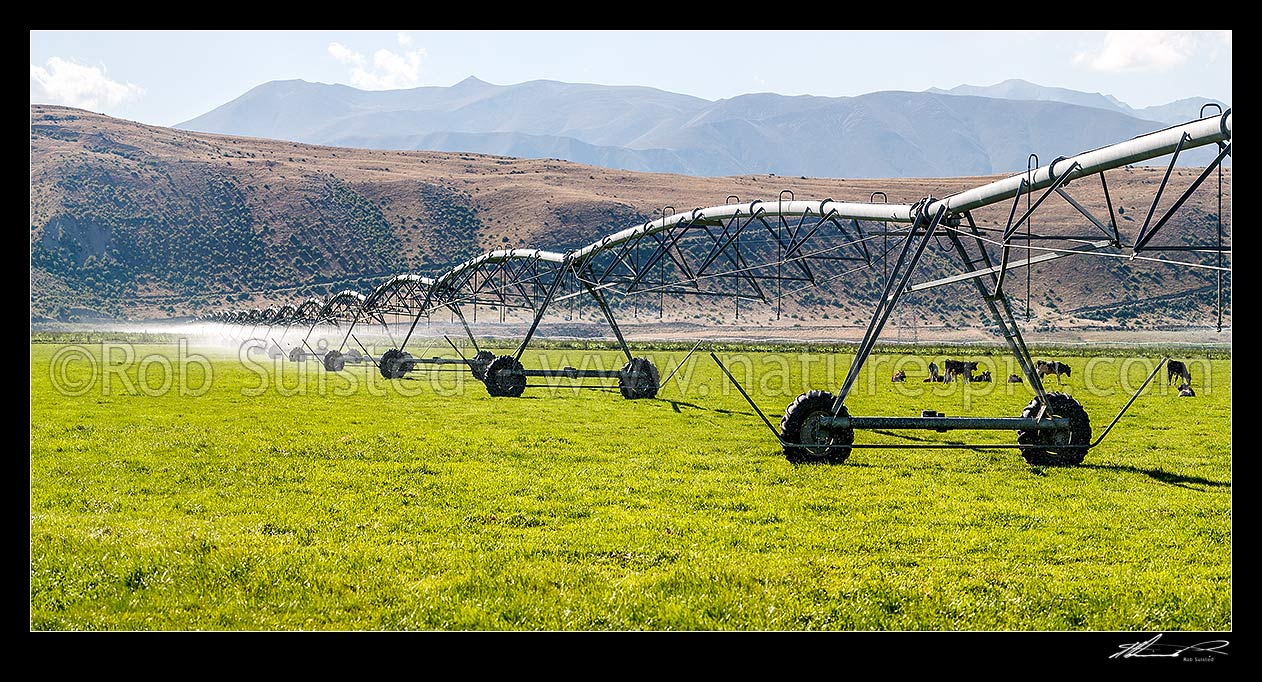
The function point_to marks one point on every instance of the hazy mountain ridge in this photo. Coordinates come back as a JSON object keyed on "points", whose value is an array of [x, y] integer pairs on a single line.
{"points": [[1178, 111], [881, 134]]}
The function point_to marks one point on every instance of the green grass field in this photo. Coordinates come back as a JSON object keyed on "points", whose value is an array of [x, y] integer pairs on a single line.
{"points": [[315, 503]]}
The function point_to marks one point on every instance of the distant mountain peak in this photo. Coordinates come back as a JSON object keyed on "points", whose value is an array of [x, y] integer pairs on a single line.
{"points": [[1015, 88], [1005, 88], [471, 82]]}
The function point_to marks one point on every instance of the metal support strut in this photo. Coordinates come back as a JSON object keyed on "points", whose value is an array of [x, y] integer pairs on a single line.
{"points": [[893, 292], [999, 306], [604, 308], [469, 332], [543, 307]]}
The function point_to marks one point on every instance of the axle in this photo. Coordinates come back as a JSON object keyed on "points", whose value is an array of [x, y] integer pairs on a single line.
{"points": [[568, 372], [411, 362], [940, 423]]}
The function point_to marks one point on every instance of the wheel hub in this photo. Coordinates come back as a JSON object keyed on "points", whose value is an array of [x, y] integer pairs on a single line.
{"points": [[807, 433], [1056, 447], [814, 431]]}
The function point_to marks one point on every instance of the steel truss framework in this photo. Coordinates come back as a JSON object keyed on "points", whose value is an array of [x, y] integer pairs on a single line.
{"points": [[754, 251]]}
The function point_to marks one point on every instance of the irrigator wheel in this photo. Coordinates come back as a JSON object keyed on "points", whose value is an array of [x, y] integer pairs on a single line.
{"points": [[638, 379], [275, 353], [479, 364], [802, 426], [1055, 452], [499, 382], [296, 354], [353, 355], [333, 361], [392, 364]]}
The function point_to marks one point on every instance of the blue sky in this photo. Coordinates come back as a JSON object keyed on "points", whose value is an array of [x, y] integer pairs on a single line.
{"points": [[165, 77]]}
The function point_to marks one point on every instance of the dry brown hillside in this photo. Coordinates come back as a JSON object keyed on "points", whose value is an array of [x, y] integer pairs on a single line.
{"points": [[141, 221]]}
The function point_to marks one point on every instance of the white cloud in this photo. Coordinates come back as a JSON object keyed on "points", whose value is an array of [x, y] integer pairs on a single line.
{"points": [[389, 70], [64, 81], [1142, 51], [345, 55]]}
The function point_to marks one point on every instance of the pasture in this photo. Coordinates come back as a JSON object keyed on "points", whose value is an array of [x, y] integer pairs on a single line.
{"points": [[174, 496]]}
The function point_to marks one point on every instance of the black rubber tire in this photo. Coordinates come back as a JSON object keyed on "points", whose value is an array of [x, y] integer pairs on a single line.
{"points": [[353, 355], [810, 443], [499, 382], [1056, 454], [638, 379], [479, 364], [392, 365], [296, 354], [275, 353], [388, 364], [333, 361]]}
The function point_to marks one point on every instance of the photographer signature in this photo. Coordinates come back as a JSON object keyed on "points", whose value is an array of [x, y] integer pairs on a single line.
{"points": [[1152, 649]]}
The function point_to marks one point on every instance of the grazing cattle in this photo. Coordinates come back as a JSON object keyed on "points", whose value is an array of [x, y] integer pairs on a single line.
{"points": [[1058, 368], [1174, 368], [1185, 391], [1015, 379], [900, 376], [933, 373], [984, 377], [958, 368]]}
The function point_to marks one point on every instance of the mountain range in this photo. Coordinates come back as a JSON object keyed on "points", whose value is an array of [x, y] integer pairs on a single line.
{"points": [[1171, 113], [967, 130]]}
